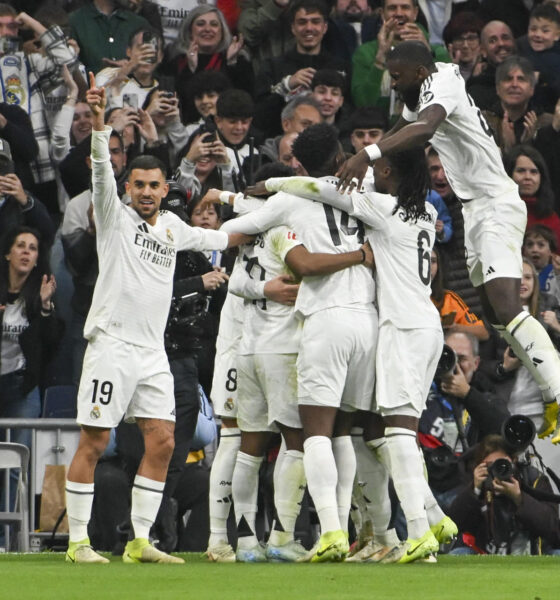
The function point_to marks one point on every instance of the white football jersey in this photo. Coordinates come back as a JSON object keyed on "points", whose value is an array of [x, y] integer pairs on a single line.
{"points": [[268, 327], [320, 228], [136, 260], [464, 141], [402, 249]]}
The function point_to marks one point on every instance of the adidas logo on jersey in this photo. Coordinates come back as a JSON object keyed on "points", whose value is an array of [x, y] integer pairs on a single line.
{"points": [[490, 270]]}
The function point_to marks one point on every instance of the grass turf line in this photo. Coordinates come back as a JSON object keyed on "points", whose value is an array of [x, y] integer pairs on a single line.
{"points": [[46, 576]]}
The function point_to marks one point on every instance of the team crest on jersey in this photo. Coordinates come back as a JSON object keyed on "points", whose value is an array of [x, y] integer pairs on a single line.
{"points": [[169, 235], [15, 94], [95, 413], [229, 404], [426, 97]]}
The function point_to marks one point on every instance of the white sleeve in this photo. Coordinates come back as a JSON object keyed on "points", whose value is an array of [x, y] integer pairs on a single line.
{"points": [[241, 284], [373, 208], [242, 205], [107, 206], [443, 88], [311, 188], [409, 115], [269, 215], [60, 134], [197, 238]]}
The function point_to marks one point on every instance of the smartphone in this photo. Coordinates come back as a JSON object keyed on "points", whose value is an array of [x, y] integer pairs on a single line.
{"points": [[10, 45], [167, 94], [130, 100], [149, 38], [209, 137]]}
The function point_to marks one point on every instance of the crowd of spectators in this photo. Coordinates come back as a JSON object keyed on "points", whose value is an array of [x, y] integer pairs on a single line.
{"points": [[216, 91]]}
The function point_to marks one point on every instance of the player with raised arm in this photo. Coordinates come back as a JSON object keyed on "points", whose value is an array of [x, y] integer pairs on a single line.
{"points": [[126, 371], [438, 109], [335, 365], [400, 226], [267, 383]]}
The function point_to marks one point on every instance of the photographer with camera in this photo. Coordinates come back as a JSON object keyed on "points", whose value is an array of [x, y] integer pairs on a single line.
{"points": [[495, 513], [461, 409]]}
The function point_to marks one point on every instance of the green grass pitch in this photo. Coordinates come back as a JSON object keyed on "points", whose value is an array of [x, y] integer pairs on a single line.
{"points": [[46, 576]]}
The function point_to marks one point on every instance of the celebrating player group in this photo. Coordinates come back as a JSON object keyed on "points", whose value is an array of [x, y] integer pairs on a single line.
{"points": [[357, 341]]}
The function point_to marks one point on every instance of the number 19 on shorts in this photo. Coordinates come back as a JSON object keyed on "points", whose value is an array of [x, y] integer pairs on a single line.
{"points": [[102, 391]]}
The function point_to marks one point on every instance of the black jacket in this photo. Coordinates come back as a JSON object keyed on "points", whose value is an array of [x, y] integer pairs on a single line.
{"points": [[38, 344]]}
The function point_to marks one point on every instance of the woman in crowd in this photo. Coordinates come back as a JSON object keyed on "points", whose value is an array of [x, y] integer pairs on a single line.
{"points": [[527, 168], [30, 328], [455, 315], [206, 44]]}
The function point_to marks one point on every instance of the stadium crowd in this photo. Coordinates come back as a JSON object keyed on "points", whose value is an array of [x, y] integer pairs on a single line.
{"points": [[217, 95]]}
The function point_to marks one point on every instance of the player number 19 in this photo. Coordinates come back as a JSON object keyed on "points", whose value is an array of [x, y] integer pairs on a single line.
{"points": [[105, 389]]}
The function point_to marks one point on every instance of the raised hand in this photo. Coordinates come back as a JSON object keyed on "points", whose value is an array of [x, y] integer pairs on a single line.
{"points": [[97, 101], [48, 288]]}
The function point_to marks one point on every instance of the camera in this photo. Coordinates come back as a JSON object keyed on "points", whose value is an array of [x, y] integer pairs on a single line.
{"points": [[184, 324], [447, 362], [519, 432], [149, 38], [208, 127], [501, 469]]}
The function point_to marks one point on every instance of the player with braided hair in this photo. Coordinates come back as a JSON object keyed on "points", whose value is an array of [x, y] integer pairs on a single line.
{"points": [[400, 227]]}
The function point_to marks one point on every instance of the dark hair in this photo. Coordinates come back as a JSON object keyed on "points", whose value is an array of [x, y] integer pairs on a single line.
{"points": [[329, 77], [146, 162], [309, 6], [315, 147], [545, 11], [368, 117], [544, 206], [273, 169], [116, 134], [235, 104], [438, 291], [463, 22], [195, 201], [412, 53], [490, 444], [30, 291], [545, 232], [414, 3], [207, 81], [413, 182], [513, 62]]}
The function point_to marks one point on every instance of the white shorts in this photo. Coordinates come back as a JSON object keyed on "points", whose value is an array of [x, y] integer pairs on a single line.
{"points": [[406, 363], [121, 379], [267, 392], [336, 362], [224, 384], [494, 230]]}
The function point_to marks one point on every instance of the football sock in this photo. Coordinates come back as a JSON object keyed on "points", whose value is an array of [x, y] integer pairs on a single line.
{"points": [[289, 487], [278, 465], [245, 484], [146, 498], [359, 510], [322, 477], [345, 460], [220, 484], [533, 347], [377, 490], [408, 478], [433, 509], [79, 500]]}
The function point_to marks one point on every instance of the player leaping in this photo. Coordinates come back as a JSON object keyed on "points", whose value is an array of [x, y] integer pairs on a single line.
{"points": [[438, 109], [126, 371]]}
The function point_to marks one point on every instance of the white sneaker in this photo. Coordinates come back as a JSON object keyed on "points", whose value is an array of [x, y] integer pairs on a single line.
{"points": [[367, 552], [221, 552], [251, 555], [82, 552], [293, 551]]}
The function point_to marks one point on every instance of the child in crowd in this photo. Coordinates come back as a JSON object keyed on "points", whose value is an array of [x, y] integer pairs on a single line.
{"points": [[539, 246], [541, 46]]}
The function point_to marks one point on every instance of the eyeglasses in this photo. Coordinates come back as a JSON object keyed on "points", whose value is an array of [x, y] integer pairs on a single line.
{"points": [[469, 38]]}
